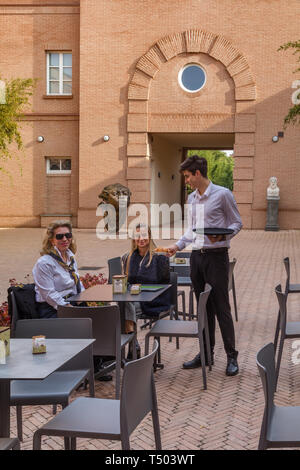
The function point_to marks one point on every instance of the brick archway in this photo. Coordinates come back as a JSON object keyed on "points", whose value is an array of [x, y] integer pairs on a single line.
{"points": [[222, 50]]}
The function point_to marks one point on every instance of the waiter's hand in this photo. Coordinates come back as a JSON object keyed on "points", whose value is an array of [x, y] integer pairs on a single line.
{"points": [[216, 238], [172, 250]]}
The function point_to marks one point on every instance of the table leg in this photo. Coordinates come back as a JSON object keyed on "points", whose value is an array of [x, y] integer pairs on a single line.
{"points": [[122, 316], [4, 408]]}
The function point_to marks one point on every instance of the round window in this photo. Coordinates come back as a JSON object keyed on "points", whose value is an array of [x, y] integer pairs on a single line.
{"points": [[192, 78]]}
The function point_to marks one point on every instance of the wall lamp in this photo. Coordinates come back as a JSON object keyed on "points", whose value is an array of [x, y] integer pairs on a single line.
{"points": [[106, 138], [40, 139], [275, 138]]}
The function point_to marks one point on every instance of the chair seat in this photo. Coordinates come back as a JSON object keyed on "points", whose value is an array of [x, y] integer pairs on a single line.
{"points": [[293, 288], [54, 389], [126, 338], [174, 328], [292, 329], [87, 417], [7, 443], [284, 425], [184, 281]]}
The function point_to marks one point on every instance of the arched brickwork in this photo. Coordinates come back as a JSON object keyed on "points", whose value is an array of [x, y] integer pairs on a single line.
{"points": [[219, 48], [193, 41]]}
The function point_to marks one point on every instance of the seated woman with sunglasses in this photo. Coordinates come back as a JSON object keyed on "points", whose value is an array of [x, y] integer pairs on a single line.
{"points": [[144, 266], [55, 273]]}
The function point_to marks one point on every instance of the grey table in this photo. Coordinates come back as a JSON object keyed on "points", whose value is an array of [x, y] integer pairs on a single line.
{"points": [[21, 364], [104, 293]]}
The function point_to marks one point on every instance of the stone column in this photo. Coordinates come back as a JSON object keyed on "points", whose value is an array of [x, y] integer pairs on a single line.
{"points": [[272, 214]]}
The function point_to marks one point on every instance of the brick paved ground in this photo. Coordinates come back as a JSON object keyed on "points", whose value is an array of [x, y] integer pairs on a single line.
{"points": [[226, 416]]}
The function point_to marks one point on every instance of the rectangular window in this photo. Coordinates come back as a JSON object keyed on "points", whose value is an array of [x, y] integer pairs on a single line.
{"points": [[58, 166], [59, 73]]}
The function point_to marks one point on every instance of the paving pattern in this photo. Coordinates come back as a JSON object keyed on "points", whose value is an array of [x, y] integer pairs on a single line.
{"points": [[226, 416]]}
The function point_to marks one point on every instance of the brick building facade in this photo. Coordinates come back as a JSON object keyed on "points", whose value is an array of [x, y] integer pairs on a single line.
{"points": [[126, 56]]}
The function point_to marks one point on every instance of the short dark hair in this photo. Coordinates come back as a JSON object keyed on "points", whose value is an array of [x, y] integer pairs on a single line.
{"points": [[194, 163]]}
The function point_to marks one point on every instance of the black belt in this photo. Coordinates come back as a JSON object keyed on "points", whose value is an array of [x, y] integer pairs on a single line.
{"points": [[211, 250]]}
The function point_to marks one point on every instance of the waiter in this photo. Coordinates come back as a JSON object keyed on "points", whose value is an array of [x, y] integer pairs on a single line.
{"points": [[209, 260]]}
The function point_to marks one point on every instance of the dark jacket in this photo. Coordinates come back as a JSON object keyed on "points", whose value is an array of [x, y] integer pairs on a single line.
{"points": [[157, 273]]}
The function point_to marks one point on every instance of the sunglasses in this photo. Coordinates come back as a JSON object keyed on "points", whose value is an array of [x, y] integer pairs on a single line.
{"points": [[60, 236]]}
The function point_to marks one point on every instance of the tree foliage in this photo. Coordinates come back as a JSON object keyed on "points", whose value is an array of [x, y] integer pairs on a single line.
{"points": [[220, 166], [293, 116], [14, 101]]}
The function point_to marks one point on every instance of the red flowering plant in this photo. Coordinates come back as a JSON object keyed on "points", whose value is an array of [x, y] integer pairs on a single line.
{"points": [[4, 317], [89, 280]]}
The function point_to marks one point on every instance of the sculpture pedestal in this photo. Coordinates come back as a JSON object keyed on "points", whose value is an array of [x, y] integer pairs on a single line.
{"points": [[272, 214]]}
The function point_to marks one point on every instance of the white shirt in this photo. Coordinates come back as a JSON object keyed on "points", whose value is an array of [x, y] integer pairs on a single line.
{"points": [[52, 281], [215, 208]]}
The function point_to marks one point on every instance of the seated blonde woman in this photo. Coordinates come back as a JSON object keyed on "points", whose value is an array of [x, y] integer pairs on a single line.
{"points": [[55, 273], [143, 266]]}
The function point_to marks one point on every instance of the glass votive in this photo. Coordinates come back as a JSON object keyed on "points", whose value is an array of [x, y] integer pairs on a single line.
{"points": [[39, 344]]}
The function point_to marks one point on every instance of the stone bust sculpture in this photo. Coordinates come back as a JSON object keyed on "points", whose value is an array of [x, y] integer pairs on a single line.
{"points": [[273, 190]]}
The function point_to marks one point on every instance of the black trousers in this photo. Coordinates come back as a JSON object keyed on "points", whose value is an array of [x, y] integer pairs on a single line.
{"points": [[212, 268]]}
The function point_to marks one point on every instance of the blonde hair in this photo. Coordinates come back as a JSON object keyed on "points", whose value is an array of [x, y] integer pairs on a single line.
{"points": [[134, 246], [47, 244]]}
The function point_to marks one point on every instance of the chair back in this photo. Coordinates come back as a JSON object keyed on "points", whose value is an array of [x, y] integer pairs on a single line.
{"points": [[286, 262], [58, 328], [265, 360], [105, 326], [202, 306], [14, 313], [230, 273], [183, 254], [282, 301], [114, 268], [181, 270], [138, 395]]}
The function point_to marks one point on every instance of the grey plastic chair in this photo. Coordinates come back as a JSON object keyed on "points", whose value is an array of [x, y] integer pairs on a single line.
{"points": [[106, 332], [172, 312], [231, 285], [95, 418], [187, 329], [289, 289], [287, 329], [184, 272], [9, 443], [181, 293], [57, 388], [280, 425], [114, 268]]}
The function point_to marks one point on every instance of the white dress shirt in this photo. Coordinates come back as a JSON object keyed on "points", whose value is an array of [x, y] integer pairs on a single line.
{"points": [[215, 208], [52, 281]]}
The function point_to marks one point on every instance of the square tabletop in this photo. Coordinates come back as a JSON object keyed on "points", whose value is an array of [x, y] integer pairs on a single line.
{"points": [[104, 293], [23, 365]]}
